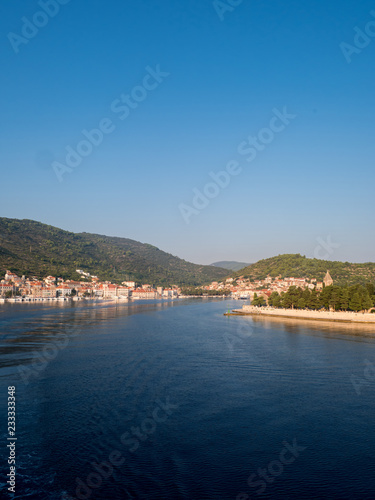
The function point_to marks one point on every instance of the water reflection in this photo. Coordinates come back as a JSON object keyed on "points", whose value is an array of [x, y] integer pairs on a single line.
{"points": [[317, 327], [28, 327]]}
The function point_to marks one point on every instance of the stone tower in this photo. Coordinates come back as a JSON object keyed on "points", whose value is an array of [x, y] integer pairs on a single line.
{"points": [[328, 280]]}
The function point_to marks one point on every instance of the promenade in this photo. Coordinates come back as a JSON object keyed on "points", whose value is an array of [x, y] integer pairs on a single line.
{"points": [[341, 316]]}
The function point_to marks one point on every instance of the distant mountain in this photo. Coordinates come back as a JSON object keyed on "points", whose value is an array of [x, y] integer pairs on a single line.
{"points": [[298, 266], [232, 265], [32, 248]]}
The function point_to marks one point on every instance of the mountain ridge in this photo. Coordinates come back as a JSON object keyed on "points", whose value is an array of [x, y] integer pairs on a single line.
{"points": [[298, 266], [231, 265], [29, 247]]}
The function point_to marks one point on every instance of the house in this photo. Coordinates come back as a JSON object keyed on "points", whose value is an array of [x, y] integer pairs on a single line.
{"points": [[140, 293], [6, 287], [129, 284], [109, 290], [50, 280], [170, 294], [36, 289], [9, 276], [48, 292], [123, 291], [63, 290]]}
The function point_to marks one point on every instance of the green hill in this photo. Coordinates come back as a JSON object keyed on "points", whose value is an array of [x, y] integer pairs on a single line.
{"points": [[231, 265], [298, 266], [32, 248]]}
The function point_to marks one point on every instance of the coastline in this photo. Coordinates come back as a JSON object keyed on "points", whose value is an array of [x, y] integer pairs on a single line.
{"points": [[34, 300], [333, 316]]}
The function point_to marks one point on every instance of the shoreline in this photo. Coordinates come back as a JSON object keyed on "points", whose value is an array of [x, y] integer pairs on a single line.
{"points": [[115, 299], [332, 316]]}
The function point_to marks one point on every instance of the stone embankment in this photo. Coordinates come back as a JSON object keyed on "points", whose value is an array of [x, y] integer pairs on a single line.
{"points": [[345, 316]]}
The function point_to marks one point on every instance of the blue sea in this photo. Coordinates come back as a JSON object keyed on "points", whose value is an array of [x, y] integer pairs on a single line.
{"points": [[174, 400]]}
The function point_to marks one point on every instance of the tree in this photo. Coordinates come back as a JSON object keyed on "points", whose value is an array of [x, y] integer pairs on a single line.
{"points": [[314, 300], [335, 299], [306, 294], [344, 300], [301, 303], [291, 297], [367, 303], [296, 296], [325, 297], [370, 287], [355, 302], [274, 300], [258, 301]]}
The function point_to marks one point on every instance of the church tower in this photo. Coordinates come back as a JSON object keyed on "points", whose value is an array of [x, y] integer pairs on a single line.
{"points": [[328, 281]]}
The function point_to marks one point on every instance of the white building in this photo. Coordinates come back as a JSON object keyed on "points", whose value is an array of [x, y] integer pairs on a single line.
{"points": [[170, 294], [63, 290], [129, 284], [6, 287]]}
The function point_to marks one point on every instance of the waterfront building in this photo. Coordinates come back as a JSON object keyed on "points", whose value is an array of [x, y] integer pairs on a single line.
{"points": [[6, 287], [63, 290], [140, 293], [109, 290], [123, 291]]}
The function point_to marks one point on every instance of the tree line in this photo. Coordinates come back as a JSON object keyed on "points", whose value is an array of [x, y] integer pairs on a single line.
{"points": [[339, 298]]}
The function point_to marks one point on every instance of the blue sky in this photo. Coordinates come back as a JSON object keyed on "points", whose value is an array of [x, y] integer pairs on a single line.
{"points": [[224, 71]]}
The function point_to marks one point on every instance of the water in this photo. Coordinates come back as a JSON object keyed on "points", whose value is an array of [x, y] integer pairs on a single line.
{"points": [[216, 402]]}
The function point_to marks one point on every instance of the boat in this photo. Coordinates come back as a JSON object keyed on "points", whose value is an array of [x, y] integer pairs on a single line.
{"points": [[244, 296]]}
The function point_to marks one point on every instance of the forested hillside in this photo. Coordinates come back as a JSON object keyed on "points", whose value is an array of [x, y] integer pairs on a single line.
{"points": [[32, 248], [298, 266]]}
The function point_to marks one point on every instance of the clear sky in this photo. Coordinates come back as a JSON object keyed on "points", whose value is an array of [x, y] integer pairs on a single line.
{"points": [[180, 89]]}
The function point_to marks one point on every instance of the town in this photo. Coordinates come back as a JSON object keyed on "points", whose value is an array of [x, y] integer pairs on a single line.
{"points": [[244, 288], [15, 288], [22, 289]]}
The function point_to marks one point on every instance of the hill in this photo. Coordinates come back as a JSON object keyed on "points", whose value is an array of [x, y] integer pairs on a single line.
{"points": [[231, 265], [35, 249], [298, 266]]}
